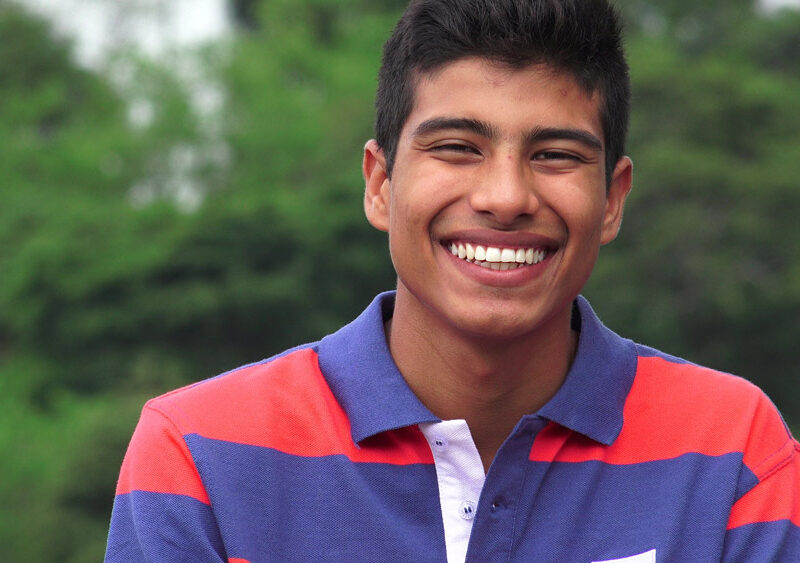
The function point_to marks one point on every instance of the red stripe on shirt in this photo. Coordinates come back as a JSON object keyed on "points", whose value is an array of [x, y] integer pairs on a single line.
{"points": [[775, 498], [674, 409], [286, 405], [158, 461]]}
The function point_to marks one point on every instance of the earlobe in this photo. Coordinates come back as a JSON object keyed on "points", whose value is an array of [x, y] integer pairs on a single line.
{"points": [[621, 183], [376, 182]]}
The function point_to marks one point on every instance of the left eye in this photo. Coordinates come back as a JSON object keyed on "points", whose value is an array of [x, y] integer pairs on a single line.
{"points": [[555, 155]]}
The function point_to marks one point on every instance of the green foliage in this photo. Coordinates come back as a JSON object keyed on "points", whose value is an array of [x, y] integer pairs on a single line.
{"points": [[73, 251], [111, 293]]}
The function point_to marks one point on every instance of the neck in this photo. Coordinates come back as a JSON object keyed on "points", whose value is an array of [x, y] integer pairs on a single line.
{"points": [[490, 383]]}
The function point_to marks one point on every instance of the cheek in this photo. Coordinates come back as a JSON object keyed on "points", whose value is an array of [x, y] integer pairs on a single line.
{"points": [[405, 229], [424, 197], [401, 219], [580, 209]]}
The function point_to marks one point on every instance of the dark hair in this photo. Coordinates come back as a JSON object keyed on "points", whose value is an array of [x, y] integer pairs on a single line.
{"points": [[579, 37]]}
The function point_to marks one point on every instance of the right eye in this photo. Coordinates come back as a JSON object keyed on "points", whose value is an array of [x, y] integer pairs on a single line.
{"points": [[455, 147], [456, 153]]}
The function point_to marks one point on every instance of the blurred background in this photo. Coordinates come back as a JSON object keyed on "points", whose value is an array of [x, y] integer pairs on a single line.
{"points": [[181, 194]]}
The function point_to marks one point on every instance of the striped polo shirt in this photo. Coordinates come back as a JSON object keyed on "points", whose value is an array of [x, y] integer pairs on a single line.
{"points": [[323, 453]]}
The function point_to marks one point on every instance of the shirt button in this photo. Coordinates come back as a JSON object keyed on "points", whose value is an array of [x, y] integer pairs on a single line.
{"points": [[439, 442], [467, 510]]}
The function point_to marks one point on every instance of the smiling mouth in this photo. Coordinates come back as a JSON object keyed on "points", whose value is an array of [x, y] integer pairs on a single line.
{"points": [[497, 258]]}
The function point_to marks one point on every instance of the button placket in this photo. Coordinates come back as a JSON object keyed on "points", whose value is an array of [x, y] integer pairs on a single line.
{"points": [[460, 478], [493, 530]]}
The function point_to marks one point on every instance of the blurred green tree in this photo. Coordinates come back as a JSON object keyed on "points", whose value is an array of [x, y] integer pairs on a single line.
{"points": [[71, 241]]}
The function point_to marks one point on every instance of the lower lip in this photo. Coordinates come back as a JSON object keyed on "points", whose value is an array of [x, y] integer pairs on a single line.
{"points": [[499, 278]]}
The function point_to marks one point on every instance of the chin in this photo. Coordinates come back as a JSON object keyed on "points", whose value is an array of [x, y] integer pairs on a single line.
{"points": [[496, 327]]}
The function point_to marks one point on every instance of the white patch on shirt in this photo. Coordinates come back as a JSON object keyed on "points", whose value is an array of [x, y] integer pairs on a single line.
{"points": [[649, 557], [459, 472]]}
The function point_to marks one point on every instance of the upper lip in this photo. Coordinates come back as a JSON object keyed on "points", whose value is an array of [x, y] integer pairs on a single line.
{"points": [[504, 239]]}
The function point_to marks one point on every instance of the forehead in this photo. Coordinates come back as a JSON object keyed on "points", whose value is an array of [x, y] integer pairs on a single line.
{"points": [[509, 97]]}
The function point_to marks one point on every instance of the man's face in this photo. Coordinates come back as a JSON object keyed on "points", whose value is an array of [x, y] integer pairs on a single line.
{"points": [[497, 204]]}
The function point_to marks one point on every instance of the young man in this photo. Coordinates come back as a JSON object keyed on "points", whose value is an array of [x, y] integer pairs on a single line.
{"points": [[482, 412]]}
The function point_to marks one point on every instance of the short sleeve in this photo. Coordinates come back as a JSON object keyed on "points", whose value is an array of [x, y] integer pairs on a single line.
{"points": [[764, 523], [161, 509]]}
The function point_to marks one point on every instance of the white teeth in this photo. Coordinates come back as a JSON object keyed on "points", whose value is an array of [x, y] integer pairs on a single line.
{"points": [[497, 258], [470, 252], [493, 254], [530, 254]]}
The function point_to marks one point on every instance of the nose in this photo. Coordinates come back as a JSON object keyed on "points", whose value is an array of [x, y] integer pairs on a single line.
{"points": [[505, 192]]}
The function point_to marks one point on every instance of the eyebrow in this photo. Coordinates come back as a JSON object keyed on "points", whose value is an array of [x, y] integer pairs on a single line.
{"points": [[553, 133], [489, 131], [476, 126]]}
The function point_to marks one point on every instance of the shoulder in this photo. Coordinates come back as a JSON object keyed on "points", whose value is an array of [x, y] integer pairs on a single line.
{"points": [[250, 392], [663, 377], [698, 409]]}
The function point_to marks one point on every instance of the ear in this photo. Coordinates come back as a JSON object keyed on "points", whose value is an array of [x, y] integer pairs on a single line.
{"points": [[621, 183], [377, 184]]}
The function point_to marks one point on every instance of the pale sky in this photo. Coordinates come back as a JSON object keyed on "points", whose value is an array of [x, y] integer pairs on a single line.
{"points": [[772, 4], [151, 25]]}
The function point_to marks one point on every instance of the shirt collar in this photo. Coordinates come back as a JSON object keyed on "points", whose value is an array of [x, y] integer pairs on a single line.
{"points": [[365, 380], [592, 397]]}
